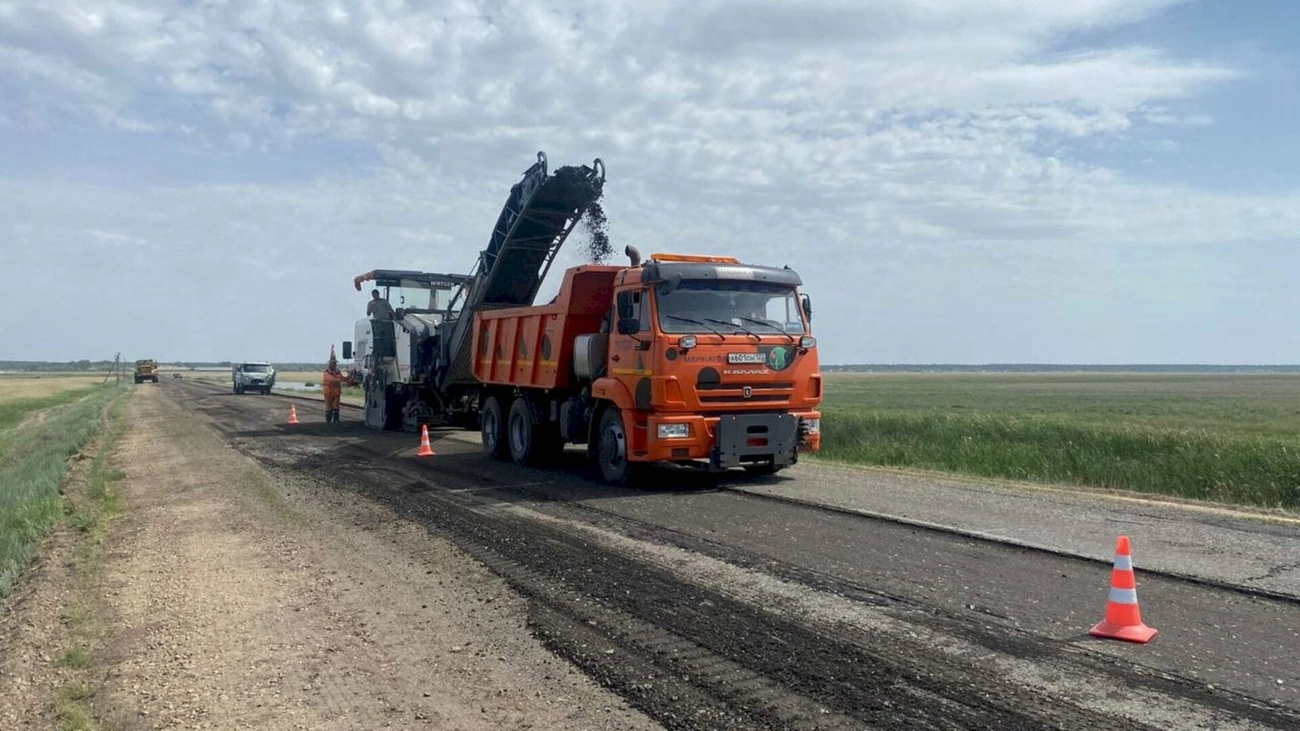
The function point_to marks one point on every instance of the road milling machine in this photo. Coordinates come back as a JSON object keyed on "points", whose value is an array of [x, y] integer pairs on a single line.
{"points": [[693, 359]]}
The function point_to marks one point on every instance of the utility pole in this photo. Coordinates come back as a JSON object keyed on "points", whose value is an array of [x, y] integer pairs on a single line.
{"points": [[116, 372]]}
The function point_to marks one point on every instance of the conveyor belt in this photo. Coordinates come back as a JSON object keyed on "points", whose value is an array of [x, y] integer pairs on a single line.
{"points": [[538, 216]]}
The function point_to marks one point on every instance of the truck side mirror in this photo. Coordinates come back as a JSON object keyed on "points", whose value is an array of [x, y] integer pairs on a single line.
{"points": [[629, 320], [347, 350], [807, 307]]}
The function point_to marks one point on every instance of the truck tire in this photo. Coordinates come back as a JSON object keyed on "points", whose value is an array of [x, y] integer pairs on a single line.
{"points": [[493, 429], [611, 448], [522, 433]]}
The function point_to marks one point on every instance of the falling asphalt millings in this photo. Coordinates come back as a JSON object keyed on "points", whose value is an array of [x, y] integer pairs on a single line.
{"points": [[580, 184]]}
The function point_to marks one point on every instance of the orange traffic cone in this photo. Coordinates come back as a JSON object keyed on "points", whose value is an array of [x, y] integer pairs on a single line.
{"points": [[293, 414], [1123, 619], [425, 449]]}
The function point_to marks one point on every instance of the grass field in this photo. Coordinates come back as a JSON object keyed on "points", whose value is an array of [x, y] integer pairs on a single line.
{"points": [[311, 377], [34, 457], [22, 395], [1224, 437]]}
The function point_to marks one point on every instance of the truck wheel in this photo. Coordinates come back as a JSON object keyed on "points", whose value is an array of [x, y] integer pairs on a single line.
{"points": [[492, 427], [611, 448], [522, 433]]}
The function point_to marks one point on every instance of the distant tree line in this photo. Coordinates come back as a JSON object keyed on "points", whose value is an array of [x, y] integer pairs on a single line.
{"points": [[101, 366], [1056, 368]]}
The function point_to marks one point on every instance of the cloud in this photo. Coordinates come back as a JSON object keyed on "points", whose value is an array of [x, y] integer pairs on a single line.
{"points": [[254, 142], [113, 239]]}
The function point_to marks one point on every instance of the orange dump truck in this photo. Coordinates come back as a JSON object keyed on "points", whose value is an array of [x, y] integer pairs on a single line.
{"points": [[689, 359]]}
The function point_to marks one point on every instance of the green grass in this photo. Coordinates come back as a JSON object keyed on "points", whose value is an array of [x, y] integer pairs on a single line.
{"points": [[33, 465], [75, 657], [102, 499], [1222, 437], [91, 505], [72, 708]]}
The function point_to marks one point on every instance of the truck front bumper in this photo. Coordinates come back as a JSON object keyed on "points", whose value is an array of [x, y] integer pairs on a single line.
{"points": [[731, 440]]}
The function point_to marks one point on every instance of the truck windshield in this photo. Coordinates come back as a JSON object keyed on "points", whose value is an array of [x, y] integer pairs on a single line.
{"points": [[414, 296], [730, 306], [251, 368]]}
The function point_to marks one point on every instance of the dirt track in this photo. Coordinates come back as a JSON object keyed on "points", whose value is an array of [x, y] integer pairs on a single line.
{"points": [[324, 579]]}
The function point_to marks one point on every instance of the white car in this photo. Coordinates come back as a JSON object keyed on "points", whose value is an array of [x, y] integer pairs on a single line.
{"points": [[252, 376]]}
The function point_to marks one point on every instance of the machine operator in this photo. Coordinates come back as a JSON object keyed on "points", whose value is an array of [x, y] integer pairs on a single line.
{"points": [[378, 307]]}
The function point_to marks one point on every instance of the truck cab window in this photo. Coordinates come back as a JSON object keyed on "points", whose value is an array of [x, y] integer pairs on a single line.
{"points": [[705, 305], [632, 310]]}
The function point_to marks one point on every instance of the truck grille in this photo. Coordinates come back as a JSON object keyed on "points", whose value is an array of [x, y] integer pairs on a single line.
{"points": [[727, 393]]}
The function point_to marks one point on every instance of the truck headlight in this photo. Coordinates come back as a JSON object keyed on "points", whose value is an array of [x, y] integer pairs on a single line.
{"points": [[807, 342], [686, 342], [674, 431], [811, 426]]}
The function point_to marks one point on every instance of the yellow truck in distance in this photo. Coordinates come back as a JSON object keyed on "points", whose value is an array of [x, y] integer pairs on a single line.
{"points": [[146, 370]]}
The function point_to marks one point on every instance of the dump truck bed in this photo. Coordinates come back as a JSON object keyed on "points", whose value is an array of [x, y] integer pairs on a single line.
{"points": [[533, 347]]}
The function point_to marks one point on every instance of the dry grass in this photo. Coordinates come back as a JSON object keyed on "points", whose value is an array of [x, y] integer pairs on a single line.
{"points": [[306, 376], [28, 387], [280, 376]]}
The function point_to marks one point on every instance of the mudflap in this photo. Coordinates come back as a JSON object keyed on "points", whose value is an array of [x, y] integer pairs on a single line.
{"points": [[743, 439]]}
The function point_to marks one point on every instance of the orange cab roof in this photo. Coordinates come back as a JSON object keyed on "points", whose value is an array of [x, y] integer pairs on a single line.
{"points": [[695, 257]]}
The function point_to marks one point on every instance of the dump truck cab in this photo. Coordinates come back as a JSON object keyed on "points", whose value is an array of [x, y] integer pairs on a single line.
{"points": [[709, 359], [687, 359], [146, 369]]}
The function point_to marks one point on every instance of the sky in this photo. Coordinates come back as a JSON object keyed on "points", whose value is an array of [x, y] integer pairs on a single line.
{"points": [[956, 181]]}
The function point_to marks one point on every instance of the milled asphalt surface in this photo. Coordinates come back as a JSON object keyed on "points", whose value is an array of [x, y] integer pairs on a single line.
{"points": [[1234, 545], [1013, 600], [1216, 543]]}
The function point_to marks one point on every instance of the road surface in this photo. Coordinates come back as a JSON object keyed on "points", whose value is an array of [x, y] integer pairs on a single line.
{"points": [[714, 608], [822, 598]]}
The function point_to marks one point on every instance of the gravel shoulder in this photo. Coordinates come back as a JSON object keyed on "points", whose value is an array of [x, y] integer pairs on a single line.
{"points": [[238, 598]]}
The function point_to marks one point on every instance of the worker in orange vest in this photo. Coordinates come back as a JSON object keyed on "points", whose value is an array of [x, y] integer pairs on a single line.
{"points": [[332, 382]]}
